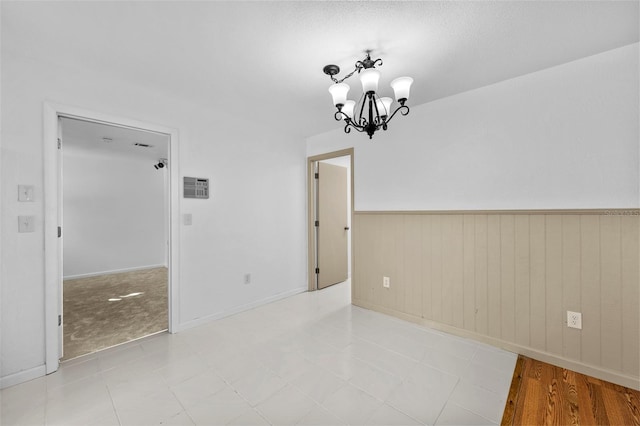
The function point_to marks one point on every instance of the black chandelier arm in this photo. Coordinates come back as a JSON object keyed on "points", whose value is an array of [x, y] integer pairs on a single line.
{"points": [[378, 118], [339, 115], [404, 110], [362, 102], [351, 125]]}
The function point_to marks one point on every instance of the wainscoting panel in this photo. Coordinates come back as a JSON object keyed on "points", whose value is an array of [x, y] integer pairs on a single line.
{"points": [[508, 278]]}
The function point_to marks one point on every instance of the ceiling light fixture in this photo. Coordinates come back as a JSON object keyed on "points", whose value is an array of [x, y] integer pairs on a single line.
{"points": [[372, 112]]}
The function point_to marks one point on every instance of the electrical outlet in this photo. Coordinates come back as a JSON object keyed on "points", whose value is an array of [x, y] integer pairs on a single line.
{"points": [[574, 320], [247, 278], [386, 282]]}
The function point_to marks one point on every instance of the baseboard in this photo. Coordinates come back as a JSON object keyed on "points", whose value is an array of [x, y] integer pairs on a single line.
{"points": [[594, 371], [209, 318], [22, 376], [114, 271]]}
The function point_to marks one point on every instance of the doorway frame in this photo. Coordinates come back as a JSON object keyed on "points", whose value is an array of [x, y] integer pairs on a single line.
{"points": [[52, 203], [311, 246]]}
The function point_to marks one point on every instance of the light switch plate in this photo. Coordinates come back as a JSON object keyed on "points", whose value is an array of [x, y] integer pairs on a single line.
{"points": [[26, 223], [187, 219], [25, 192]]}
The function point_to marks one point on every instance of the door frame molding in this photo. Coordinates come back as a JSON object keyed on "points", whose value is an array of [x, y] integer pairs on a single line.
{"points": [[311, 247], [52, 252]]}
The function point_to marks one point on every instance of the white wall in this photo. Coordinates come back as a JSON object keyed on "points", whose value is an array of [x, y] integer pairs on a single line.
{"points": [[255, 220], [562, 138], [113, 213]]}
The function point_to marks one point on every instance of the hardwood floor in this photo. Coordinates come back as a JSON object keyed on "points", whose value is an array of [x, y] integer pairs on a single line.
{"points": [[542, 394]]}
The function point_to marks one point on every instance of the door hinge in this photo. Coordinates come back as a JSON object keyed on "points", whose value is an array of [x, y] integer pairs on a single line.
{"points": [[317, 270], [59, 320], [317, 223], [59, 143], [59, 231], [317, 175]]}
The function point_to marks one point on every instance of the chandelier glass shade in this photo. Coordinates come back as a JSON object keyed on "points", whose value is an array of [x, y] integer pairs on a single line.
{"points": [[372, 112]]}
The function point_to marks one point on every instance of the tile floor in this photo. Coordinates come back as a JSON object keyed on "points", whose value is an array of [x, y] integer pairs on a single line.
{"points": [[311, 359]]}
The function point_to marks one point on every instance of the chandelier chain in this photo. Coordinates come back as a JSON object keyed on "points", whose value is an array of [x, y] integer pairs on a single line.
{"points": [[357, 69]]}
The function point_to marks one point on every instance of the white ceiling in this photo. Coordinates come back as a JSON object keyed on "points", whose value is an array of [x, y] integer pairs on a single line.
{"points": [[265, 59]]}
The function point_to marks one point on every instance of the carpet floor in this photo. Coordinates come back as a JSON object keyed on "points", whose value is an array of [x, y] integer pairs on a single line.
{"points": [[107, 310]]}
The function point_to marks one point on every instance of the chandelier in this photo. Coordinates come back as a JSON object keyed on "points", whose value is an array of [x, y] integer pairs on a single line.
{"points": [[372, 112]]}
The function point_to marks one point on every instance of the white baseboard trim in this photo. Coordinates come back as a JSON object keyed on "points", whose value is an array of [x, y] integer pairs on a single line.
{"points": [[114, 271], [209, 318], [591, 370], [22, 376]]}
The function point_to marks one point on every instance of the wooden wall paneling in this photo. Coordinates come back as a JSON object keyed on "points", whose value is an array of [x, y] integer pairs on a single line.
{"points": [[386, 297], [511, 277], [611, 275], [366, 236], [481, 273], [362, 239], [457, 259], [571, 339], [398, 280], [537, 282], [436, 268], [356, 255], [452, 270], [356, 227], [412, 238], [427, 275], [590, 291], [507, 277], [373, 253], [448, 267], [494, 270], [630, 232], [522, 274], [375, 266], [383, 250], [553, 260], [469, 292]]}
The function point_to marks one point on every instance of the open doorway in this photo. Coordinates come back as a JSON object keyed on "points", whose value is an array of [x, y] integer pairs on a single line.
{"points": [[330, 189], [115, 239]]}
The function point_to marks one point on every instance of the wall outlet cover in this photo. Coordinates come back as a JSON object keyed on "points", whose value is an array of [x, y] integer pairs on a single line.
{"points": [[386, 283], [574, 320]]}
